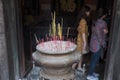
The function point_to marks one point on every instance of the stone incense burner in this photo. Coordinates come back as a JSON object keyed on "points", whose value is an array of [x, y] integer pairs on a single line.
{"points": [[56, 59]]}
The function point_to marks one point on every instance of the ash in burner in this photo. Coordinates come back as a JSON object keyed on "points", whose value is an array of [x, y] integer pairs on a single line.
{"points": [[56, 47]]}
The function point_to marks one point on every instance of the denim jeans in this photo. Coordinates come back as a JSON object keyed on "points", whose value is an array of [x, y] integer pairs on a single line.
{"points": [[94, 60]]}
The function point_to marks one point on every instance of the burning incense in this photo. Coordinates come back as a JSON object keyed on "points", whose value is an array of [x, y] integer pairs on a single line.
{"points": [[62, 22], [42, 43], [36, 39], [50, 30], [54, 26], [68, 31], [53, 30], [52, 15], [59, 31], [47, 37]]}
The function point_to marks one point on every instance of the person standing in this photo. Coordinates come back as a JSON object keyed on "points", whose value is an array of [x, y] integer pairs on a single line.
{"points": [[82, 36], [97, 44]]}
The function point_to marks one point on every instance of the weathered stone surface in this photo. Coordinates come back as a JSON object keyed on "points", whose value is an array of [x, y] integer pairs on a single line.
{"points": [[113, 62], [3, 51], [34, 75]]}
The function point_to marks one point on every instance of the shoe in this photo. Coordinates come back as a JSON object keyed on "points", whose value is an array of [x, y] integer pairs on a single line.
{"points": [[96, 74], [92, 78], [80, 71]]}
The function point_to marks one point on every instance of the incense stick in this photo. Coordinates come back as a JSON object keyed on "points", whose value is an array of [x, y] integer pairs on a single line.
{"points": [[36, 39], [68, 31]]}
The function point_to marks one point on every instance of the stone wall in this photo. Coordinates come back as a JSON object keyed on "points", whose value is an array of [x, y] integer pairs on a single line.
{"points": [[113, 60], [3, 51]]}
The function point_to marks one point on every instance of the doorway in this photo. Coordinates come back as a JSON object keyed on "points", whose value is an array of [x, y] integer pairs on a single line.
{"points": [[36, 16]]}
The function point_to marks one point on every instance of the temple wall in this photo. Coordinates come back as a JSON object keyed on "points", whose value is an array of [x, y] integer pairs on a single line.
{"points": [[113, 57], [3, 51]]}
